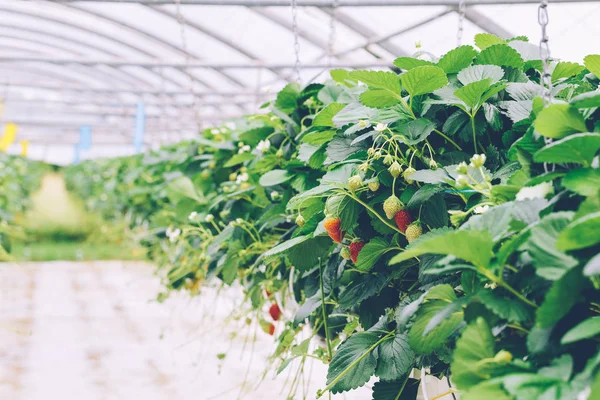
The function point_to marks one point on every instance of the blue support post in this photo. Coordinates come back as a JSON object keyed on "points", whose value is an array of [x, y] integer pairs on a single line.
{"points": [[85, 137], [140, 125], [76, 153]]}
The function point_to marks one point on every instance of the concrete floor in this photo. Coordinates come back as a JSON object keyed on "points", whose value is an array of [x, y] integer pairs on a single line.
{"points": [[87, 331]]}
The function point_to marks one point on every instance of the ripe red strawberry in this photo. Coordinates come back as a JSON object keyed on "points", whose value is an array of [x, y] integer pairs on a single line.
{"points": [[333, 226], [403, 219], [355, 248], [413, 231], [275, 312]]}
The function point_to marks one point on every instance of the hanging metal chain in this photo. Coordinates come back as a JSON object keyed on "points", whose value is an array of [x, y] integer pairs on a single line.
{"points": [[546, 78], [182, 25], [461, 21], [332, 31], [296, 38]]}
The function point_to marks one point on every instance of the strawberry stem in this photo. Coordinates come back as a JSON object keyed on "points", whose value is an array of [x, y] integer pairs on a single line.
{"points": [[329, 349], [368, 207]]}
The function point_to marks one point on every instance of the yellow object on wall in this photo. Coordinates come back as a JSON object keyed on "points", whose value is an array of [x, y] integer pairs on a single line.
{"points": [[24, 147], [10, 133]]}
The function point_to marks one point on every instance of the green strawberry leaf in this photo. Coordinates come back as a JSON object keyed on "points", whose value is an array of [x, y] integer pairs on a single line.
{"points": [[354, 362], [584, 330], [580, 148], [457, 59], [395, 358], [423, 80], [475, 345], [559, 120], [485, 40], [562, 296], [372, 252]]}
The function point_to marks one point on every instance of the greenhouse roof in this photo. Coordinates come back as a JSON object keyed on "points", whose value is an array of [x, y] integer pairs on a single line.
{"points": [[68, 64]]}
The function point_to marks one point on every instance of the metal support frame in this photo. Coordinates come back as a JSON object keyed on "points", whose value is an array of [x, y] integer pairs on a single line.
{"points": [[323, 3], [15, 29], [365, 31], [216, 36], [487, 24], [191, 64], [113, 74], [133, 91], [115, 79], [88, 30], [377, 40], [156, 39]]}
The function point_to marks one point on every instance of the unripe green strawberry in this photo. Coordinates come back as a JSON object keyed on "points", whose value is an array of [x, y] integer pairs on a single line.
{"points": [[345, 253], [374, 185], [503, 357], [413, 231], [391, 206], [355, 182], [300, 221], [407, 173], [395, 169]]}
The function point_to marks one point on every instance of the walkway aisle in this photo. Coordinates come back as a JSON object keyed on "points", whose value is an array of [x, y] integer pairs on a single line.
{"points": [[88, 331]]}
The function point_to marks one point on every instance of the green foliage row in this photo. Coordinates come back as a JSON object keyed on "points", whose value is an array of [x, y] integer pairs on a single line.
{"points": [[464, 213], [19, 178]]}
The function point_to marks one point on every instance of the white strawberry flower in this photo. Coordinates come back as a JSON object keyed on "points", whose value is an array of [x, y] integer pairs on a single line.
{"points": [[193, 215], [275, 195], [478, 160], [173, 234], [481, 209], [244, 149], [209, 218], [264, 145], [243, 177], [381, 127], [462, 180], [535, 192], [363, 123]]}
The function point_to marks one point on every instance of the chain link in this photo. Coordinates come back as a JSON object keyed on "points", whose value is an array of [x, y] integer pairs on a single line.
{"points": [[461, 19], [332, 31], [546, 78], [296, 38], [182, 25]]}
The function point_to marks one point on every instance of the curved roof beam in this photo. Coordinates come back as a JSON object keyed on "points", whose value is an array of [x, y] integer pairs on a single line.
{"points": [[54, 75], [217, 36], [363, 30], [95, 33], [77, 42], [154, 38], [79, 67], [287, 24], [485, 23]]}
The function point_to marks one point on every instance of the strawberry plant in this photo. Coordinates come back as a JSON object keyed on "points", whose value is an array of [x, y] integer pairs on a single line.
{"points": [[19, 178], [441, 209]]}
